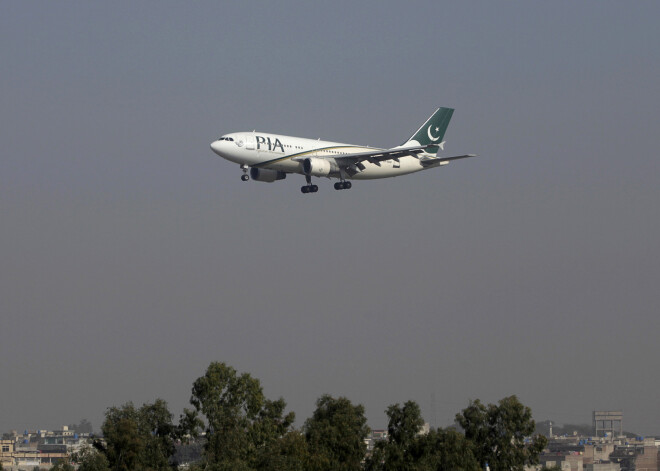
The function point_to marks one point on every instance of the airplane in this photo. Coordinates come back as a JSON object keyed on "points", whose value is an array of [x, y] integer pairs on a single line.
{"points": [[271, 157]]}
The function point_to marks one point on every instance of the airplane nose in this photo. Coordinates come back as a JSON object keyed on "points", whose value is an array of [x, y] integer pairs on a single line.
{"points": [[215, 146]]}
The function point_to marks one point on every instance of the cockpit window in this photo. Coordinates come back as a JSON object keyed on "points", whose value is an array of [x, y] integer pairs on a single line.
{"points": [[230, 139]]}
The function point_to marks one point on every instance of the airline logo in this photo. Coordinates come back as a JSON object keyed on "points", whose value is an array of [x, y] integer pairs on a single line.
{"points": [[272, 145]]}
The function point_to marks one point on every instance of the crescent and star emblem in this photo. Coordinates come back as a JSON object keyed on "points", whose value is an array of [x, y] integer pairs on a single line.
{"points": [[431, 135]]}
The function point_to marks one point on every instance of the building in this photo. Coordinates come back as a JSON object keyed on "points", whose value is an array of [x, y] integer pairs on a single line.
{"points": [[39, 448]]}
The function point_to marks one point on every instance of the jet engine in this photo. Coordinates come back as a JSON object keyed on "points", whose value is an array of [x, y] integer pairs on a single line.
{"points": [[266, 175], [316, 167]]}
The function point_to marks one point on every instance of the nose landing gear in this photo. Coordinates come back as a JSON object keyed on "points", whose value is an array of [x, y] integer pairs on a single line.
{"points": [[245, 177]]}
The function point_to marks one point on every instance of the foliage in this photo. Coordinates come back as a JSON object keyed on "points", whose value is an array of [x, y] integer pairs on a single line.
{"points": [[498, 433], [289, 453], [242, 426], [407, 449], [402, 429], [155, 425], [62, 465], [139, 439], [335, 434], [246, 431], [90, 459], [444, 450]]}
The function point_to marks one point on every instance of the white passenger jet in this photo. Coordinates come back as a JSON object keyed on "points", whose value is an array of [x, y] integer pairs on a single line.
{"points": [[271, 157]]}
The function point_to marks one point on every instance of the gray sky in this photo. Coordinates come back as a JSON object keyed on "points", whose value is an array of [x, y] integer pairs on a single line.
{"points": [[131, 256]]}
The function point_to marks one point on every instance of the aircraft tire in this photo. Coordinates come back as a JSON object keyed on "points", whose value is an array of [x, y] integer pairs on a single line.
{"points": [[245, 178], [347, 185]]}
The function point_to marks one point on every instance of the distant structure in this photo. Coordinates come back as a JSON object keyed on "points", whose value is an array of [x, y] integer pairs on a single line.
{"points": [[39, 449], [608, 423]]}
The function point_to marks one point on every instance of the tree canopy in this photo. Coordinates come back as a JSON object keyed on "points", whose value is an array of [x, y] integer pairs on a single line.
{"points": [[139, 439], [408, 449], [242, 425], [238, 428], [499, 434], [335, 434], [91, 459]]}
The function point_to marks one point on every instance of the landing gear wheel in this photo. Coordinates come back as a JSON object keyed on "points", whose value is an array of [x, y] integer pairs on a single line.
{"points": [[347, 185], [309, 189], [245, 177], [339, 186]]}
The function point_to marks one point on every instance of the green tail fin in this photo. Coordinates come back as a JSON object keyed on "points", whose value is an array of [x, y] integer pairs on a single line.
{"points": [[433, 130]]}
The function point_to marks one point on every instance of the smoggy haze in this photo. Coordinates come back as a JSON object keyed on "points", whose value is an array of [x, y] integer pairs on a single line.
{"points": [[131, 256]]}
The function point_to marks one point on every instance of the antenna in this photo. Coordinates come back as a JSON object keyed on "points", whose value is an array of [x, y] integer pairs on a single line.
{"points": [[434, 418]]}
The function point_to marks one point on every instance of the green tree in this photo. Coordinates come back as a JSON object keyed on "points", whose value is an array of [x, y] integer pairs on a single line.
{"points": [[409, 450], [289, 453], [62, 465], [90, 459], [241, 424], [335, 434], [499, 434], [403, 428], [444, 450], [155, 425], [139, 439], [124, 446]]}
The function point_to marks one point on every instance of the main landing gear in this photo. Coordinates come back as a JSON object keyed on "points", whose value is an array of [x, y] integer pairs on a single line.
{"points": [[245, 177], [343, 185], [309, 188]]}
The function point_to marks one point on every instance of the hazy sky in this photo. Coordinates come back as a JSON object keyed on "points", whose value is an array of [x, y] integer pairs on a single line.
{"points": [[131, 256]]}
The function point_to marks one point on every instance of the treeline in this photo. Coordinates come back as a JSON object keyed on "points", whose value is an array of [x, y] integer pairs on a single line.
{"points": [[244, 430]]}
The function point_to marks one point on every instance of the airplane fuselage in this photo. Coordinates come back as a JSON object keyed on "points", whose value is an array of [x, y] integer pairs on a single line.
{"points": [[286, 153]]}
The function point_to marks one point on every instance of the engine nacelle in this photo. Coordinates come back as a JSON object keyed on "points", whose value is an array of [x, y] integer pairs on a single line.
{"points": [[266, 175], [316, 167]]}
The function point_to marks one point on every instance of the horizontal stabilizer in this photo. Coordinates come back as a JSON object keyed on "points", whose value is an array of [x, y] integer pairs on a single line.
{"points": [[443, 160]]}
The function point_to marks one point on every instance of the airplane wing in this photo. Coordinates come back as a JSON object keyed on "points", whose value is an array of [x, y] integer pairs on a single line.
{"points": [[378, 156]]}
